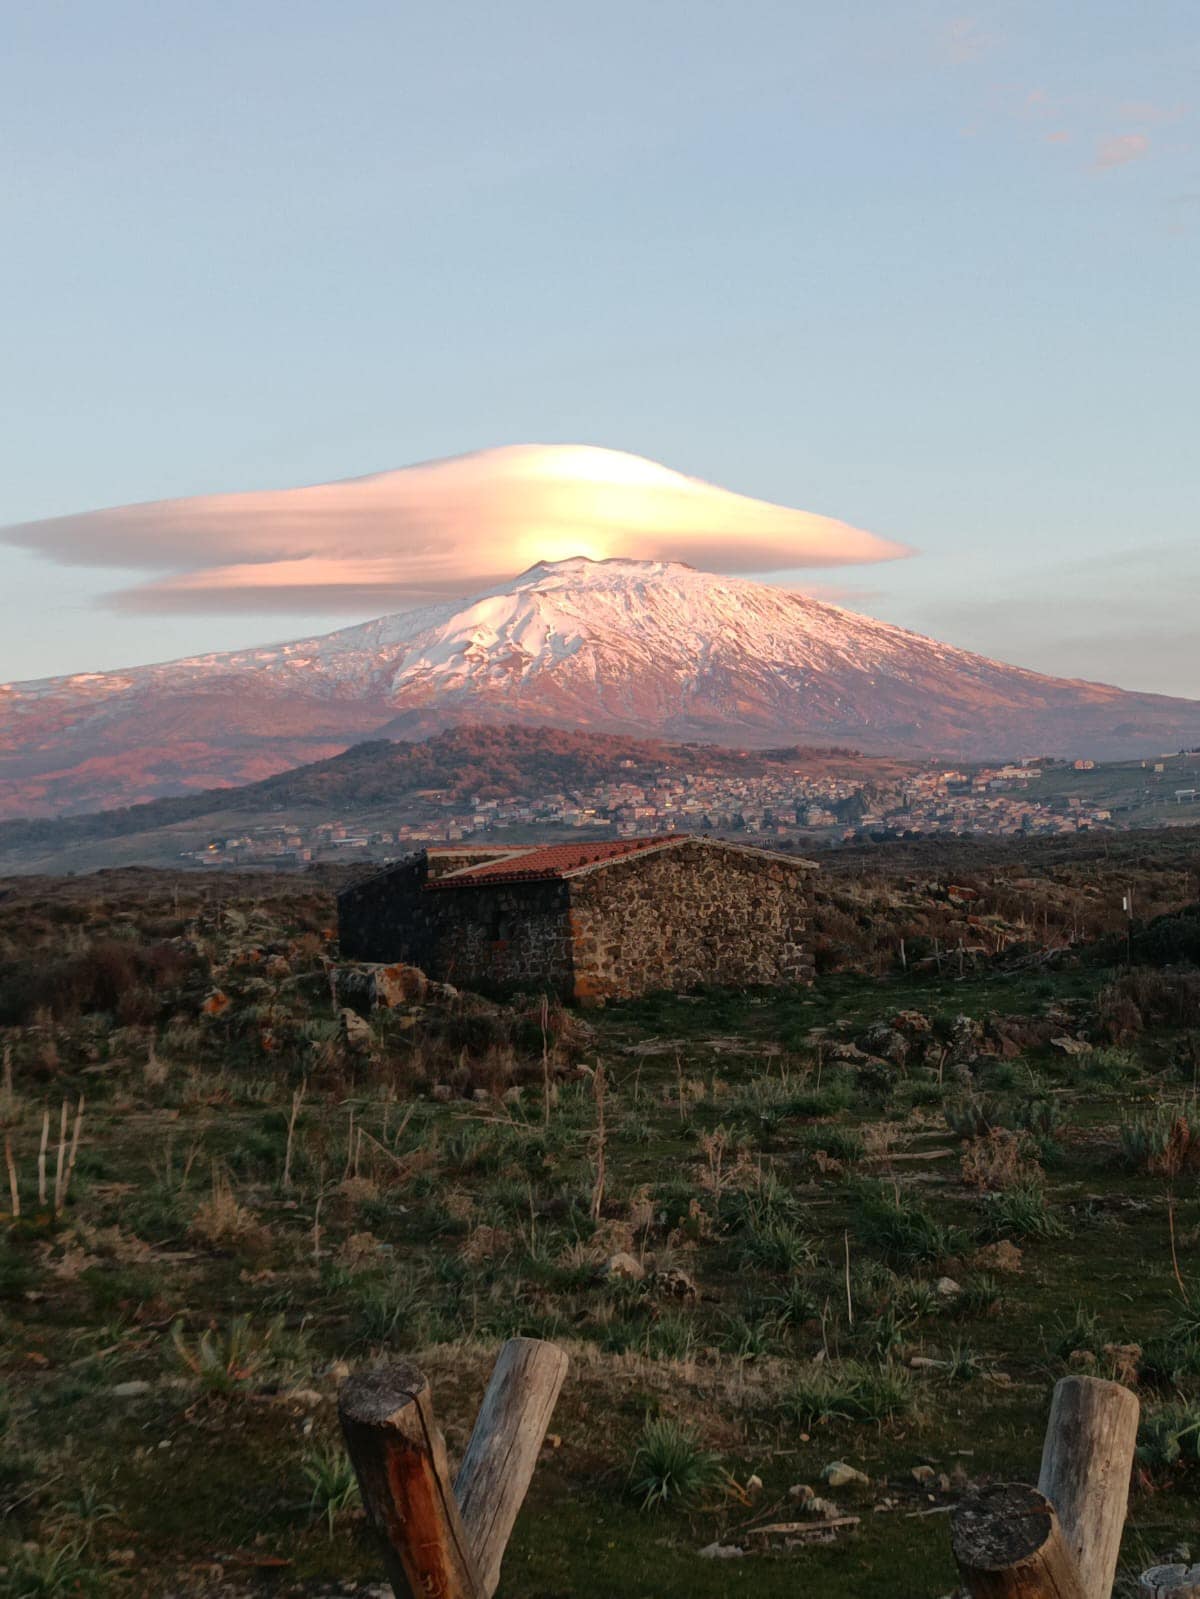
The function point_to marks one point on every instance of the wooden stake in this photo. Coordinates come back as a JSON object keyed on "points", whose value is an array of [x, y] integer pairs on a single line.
{"points": [[497, 1468], [1008, 1545], [297, 1101], [400, 1459], [61, 1161], [1087, 1458], [42, 1157], [60, 1204], [13, 1189], [599, 1141]]}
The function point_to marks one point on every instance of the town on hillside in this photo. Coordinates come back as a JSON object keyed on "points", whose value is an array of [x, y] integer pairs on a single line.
{"points": [[789, 809]]}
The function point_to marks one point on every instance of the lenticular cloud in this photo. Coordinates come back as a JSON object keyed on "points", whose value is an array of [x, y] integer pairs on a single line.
{"points": [[436, 530]]}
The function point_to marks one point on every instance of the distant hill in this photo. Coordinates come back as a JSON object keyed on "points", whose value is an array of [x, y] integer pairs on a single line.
{"points": [[484, 761], [638, 649]]}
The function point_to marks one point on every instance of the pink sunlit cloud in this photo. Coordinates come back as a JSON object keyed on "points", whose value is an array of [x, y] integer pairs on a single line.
{"points": [[434, 531], [1120, 150]]}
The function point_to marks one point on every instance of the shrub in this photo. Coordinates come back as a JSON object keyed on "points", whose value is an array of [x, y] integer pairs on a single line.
{"points": [[1161, 1142], [1170, 1435], [969, 1116], [995, 1162], [1081, 1330], [221, 1362], [670, 1469], [903, 1229], [1173, 1357], [333, 1485], [1020, 1212], [775, 1245], [851, 1390]]}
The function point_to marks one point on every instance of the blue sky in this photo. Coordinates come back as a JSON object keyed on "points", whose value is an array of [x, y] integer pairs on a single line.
{"points": [[929, 269]]}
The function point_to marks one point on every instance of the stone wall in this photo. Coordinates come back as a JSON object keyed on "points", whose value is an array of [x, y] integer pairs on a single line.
{"points": [[512, 936], [516, 935], [681, 918], [386, 916]]}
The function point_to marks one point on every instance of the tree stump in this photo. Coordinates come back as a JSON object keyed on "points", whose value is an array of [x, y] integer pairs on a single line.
{"points": [[1171, 1582], [1008, 1545]]}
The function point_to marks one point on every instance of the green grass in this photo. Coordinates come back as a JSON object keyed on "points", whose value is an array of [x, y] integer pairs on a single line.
{"points": [[470, 1221]]}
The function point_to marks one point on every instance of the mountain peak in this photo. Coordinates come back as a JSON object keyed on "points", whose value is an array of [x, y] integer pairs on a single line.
{"points": [[648, 648]]}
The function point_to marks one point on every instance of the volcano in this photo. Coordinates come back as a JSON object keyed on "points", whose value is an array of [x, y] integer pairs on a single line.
{"points": [[650, 648]]}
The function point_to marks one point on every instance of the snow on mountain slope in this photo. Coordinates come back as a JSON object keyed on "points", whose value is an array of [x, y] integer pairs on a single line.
{"points": [[620, 645]]}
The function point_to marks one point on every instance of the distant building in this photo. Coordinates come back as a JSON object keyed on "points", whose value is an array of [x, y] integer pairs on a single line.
{"points": [[591, 921]]}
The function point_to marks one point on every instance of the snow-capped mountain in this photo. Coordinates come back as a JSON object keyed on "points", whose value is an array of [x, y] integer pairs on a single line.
{"points": [[643, 647]]}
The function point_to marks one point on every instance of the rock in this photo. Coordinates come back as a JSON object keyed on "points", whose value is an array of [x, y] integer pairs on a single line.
{"points": [[801, 1493], [393, 986], [884, 1043], [721, 1551], [839, 1475], [511, 1096], [912, 1023], [624, 1266], [1066, 1045], [356, 1033], [131, 1390], [442, 1092], [1003, 1255], [947, 1288], [481, 1096], [674, 1284]]}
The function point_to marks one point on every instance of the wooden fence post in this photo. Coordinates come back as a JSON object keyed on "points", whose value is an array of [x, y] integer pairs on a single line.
{"points": [[443, 1541], [1008, 1545], [1087, 1459], [503, 1449], [400, 1458]]}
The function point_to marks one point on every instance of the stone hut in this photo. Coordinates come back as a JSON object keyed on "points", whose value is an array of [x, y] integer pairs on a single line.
{"points": [[590, 921]]}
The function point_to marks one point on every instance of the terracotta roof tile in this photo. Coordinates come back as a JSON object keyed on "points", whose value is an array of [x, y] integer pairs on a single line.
{"points": [[550, 861]]}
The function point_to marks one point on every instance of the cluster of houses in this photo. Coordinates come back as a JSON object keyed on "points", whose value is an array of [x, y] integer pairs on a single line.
{"points": [[799, 808]]}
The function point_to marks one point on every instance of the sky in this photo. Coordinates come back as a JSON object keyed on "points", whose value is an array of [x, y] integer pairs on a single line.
{"points": [[927, 270]]}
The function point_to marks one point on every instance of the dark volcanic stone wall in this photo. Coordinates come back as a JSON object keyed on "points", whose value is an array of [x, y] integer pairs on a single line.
{"points": [[680, 918], [513, 936], [516, 935], [386, 917]]}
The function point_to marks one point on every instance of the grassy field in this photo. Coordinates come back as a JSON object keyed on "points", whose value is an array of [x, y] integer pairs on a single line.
{"points": [[867, 1223]]}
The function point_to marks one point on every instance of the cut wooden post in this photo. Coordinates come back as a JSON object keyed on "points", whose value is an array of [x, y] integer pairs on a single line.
{"points": [[1087, 1459], [400, 1458], [1008, 1545], [1170, 1582], [503, 1449]]}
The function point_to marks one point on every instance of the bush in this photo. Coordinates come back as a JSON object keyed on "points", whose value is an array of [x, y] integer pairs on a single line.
{"points": [[1170, 1435], [1160, 1142], [902, 1228], [852, 1390], [1020, 1212], [670, 1469]]}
